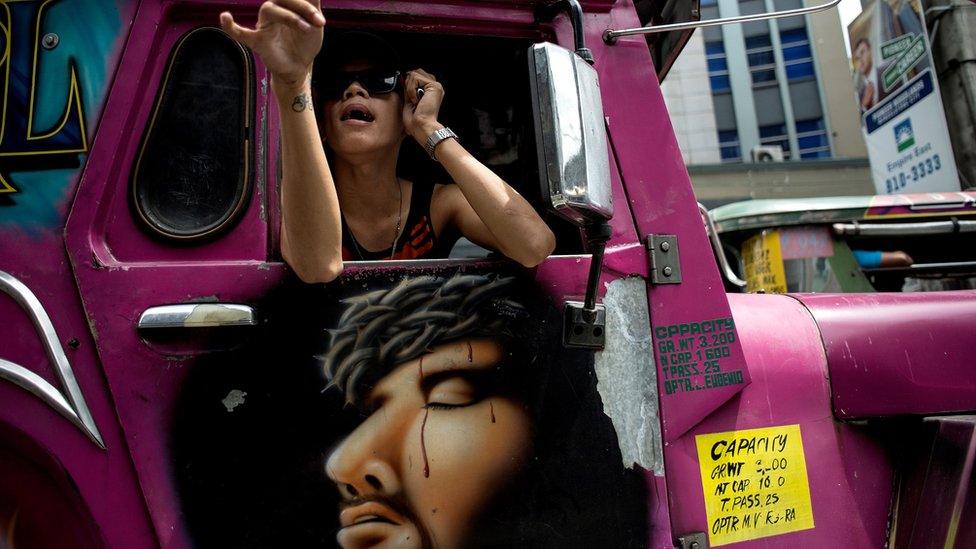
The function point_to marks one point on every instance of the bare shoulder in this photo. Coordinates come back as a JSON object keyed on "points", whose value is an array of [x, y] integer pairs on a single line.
{"points": [[446, 199], [445, 202]]}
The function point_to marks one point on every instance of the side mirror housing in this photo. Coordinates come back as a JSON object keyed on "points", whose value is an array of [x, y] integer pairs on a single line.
{"points": [[574, 165]]}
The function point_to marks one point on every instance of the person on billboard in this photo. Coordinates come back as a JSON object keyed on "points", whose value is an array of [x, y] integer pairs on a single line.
{"points": [[351, 204], [477, 429], [867, 76]]}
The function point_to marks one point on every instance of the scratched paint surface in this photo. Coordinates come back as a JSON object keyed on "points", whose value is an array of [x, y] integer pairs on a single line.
{"points": [[52, 91]]}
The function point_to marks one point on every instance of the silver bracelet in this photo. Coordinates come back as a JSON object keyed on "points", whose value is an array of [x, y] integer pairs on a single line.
{"points": [[435, 138]]}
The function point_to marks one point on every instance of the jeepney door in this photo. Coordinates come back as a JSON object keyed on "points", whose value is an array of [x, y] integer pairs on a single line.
{"points": [[169, 236]]}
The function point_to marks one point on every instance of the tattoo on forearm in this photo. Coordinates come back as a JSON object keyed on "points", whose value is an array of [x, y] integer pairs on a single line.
{"points": [[301, 103]]}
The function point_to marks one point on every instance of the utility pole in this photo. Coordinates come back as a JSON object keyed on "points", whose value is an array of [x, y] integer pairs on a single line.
{"points": [[951, 24]]}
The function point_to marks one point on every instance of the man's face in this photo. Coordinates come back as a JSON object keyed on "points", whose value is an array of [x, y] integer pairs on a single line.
{"points": [[357, 122], [440, 443], [863, 55]]}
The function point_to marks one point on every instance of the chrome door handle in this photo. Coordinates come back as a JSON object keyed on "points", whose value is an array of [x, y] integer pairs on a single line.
{"points": [[197, 315]]}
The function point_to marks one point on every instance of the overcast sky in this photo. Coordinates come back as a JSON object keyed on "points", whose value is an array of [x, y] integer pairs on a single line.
{"points": [[848, 9]]}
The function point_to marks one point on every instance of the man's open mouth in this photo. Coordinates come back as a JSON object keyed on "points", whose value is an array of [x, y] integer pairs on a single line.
{"points": [[356, 112]]}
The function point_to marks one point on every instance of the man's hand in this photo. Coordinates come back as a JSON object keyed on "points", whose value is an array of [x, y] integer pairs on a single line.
{"points": [[420, 114], [287, 37]]}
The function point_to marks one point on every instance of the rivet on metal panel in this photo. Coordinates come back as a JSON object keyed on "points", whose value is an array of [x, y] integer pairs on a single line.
{"points": [[50, 41]]}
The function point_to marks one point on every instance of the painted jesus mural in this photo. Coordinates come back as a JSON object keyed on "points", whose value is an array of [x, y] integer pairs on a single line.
{"points": [[470, 434]]}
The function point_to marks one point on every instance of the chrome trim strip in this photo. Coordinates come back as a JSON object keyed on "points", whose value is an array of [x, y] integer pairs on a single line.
{"points": [[197, 315], [904, 229], [610, 36], [717, 248], [947, 266], [72, 406]]}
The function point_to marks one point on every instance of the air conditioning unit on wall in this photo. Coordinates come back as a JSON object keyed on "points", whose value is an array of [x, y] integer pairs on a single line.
{"points": [[767, 153]]}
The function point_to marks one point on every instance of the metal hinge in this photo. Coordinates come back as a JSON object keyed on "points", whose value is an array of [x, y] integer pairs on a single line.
{"points": [[662, 253], [696, 540]]}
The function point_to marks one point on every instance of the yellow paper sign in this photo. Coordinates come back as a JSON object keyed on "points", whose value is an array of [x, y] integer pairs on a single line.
{"points": [[763, 262], [755, 483]]}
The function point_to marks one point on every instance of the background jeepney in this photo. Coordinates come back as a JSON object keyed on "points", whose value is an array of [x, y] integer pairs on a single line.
{"points": [[158, 386], [807, 245]]}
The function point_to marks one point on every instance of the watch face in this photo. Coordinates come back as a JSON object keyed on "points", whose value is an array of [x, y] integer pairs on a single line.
{"points": [[436, 138]]}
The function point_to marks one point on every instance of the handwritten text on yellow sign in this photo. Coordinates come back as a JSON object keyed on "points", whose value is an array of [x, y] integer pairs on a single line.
{"points": [[762, 260], [755, 483]]}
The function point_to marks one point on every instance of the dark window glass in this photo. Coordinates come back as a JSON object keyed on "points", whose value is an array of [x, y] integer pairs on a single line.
{"points": [[714, 48], [797, 55], [799, 71], [718, 68], [192, 176], [812, 138], [759, 41], [772, 130], [720, 83], [717, 64], [762, 63], [761, 58], [728, 141], [793, 35], [762, 76]]}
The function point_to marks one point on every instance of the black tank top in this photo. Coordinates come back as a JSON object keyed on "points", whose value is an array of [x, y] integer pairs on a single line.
{"points": [[417, 241]]}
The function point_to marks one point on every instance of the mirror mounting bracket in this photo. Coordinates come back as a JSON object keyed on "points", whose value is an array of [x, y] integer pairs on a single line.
{"points": [[546, 12], [584, 323]]}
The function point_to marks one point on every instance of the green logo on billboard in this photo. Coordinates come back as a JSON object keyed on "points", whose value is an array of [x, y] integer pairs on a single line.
{"points": [[904, 136], [894, 48], [908, 59]]}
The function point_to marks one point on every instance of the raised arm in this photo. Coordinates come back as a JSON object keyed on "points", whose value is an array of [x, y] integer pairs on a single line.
{"points": [[484, 207], [287, 37]]}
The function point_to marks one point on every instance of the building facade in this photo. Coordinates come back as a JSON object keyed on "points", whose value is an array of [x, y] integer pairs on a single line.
{"points": [[780, 88]]}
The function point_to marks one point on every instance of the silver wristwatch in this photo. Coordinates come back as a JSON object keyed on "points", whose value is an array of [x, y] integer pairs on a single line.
{"points": [[435, 138]]}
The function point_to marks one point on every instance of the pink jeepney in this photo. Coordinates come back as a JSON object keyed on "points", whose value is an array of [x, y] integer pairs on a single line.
{"points": [[163, 374]]}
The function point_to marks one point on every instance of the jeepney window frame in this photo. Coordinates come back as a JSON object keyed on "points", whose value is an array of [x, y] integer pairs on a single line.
{"points": [[246, 176]]}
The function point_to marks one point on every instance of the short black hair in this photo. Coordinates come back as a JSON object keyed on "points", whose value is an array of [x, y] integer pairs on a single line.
{"points": [[345, 46], [381, 329]]}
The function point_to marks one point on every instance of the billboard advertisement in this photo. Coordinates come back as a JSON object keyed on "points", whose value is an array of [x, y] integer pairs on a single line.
{"points": [[902, 118]]}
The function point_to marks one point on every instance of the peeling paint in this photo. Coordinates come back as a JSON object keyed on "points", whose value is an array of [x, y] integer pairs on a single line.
{"points": [[203, 299], [233, 399], [627, 377], [92, 328], [262, 167]]}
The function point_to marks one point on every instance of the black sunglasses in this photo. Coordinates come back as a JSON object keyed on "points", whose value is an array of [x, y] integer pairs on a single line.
{"points": [[375, 82]]}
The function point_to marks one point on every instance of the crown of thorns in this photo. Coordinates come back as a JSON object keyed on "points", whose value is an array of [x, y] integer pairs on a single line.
{"points": [[381, 329]]}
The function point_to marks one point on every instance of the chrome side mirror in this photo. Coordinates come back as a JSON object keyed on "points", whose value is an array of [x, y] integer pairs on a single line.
{"points": [[571, 138]]}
